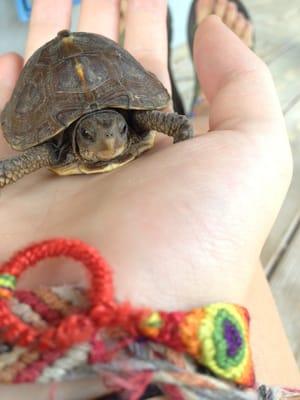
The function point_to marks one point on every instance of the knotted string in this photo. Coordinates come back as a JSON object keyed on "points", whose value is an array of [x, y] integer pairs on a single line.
{"points": [[216, 336]]}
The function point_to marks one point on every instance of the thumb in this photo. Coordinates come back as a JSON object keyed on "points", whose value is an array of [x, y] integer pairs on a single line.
{"points": [[237, 84], [10, 67]]}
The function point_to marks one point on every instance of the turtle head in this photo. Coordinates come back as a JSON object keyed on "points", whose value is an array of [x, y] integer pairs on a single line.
{"points": [[101, 135]]}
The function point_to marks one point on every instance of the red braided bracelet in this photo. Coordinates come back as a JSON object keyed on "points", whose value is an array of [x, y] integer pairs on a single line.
{"points": [[216, 336]]}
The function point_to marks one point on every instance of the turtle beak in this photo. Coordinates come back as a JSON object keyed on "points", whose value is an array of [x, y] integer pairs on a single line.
{"points": [[110, 144], [110, 149]]}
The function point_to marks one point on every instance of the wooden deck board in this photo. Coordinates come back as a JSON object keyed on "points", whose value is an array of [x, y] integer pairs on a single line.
{"points": [[289, 213], [285, 284], [286, 71]]}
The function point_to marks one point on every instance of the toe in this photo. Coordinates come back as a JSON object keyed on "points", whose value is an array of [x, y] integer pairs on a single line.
{"points": [[240, 25], [231, 14], [203, 9], [220, 8], [248, 35]]}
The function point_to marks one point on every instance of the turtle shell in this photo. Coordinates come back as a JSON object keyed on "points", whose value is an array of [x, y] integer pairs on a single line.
{"points": [[71, 75]]}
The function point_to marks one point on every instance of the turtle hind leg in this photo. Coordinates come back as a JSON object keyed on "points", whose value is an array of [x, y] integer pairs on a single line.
{"points": [[29, 161], [172, 124]]}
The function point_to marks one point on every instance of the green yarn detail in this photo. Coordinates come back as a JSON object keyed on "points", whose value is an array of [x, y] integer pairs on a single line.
{"points": [[222, 359], [7, 281], [154, 320]]}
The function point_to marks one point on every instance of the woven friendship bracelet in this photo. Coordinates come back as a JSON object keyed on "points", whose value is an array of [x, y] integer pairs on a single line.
{"points": [[216, 336]]}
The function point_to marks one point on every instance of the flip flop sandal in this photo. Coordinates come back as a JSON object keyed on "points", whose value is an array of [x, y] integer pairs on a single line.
{"points": [[176, 98], [192, 26]]}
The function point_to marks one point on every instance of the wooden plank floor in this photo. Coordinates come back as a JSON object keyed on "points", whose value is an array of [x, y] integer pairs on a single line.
{"points": [[285, 285], [278, 44]]}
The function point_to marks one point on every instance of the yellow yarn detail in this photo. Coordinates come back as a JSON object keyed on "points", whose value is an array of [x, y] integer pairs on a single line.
{"points": [[152, 324]]}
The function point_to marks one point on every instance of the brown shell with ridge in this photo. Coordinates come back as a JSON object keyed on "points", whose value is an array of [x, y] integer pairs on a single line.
{"points": [[72, 75]]}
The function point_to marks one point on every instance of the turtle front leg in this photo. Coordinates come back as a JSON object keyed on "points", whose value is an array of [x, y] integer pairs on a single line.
{"points": [[29, 161], [172, 124]]}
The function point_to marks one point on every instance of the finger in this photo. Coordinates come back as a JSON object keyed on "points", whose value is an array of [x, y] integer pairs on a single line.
{"points": [[146, 36], [47, 18], [10, 67], [235, 81], [100, 16]]}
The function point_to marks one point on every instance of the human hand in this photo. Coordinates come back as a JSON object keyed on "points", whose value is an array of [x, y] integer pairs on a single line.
{"points": [[184, 224]]}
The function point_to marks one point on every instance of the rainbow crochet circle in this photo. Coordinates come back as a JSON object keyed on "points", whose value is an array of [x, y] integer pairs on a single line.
{"points": [[218, 336]]}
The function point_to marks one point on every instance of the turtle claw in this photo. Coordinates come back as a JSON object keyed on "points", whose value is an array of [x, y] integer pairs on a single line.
{"points": [[185, 131], [172, 124]]}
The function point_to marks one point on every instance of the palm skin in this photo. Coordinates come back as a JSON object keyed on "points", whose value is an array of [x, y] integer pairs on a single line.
{"points": [[184, 223]]}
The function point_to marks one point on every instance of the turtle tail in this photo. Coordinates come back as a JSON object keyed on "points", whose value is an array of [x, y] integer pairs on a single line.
{"points": [[29, 161]]}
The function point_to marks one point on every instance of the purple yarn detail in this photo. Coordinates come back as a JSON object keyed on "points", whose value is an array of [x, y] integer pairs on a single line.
{"points": [[232, 337]]}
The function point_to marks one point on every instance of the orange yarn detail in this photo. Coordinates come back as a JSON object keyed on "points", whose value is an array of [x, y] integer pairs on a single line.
{"points": [[189, 331], [5, 293], [8, 374], [53, 301]]}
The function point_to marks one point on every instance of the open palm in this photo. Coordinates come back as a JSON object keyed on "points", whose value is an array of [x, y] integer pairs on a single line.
{"points": [[175, 221]]}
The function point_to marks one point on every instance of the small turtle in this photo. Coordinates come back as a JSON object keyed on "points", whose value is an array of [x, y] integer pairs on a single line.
{"points": [[84, 105]]}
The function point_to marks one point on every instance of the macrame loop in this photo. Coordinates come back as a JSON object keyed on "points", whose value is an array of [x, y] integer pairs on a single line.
{"points": [[73, 328]]}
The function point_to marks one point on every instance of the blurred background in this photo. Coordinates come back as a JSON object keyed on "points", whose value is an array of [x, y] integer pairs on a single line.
{"points": [[277, 32]]}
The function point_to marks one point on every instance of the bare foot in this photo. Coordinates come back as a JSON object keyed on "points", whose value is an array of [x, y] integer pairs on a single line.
{"points": [[228, 12], [238, 23]]}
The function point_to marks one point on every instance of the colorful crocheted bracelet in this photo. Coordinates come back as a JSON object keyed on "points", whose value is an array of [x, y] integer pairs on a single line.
{"points": [[215, 336]]}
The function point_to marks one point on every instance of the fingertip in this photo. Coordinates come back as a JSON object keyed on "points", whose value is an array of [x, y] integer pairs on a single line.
{"points": [[146, 36], [101, 17], [47, 18], [10, 67]]}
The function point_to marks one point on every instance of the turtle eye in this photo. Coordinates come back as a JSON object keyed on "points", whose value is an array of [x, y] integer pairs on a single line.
{"points": [[86, 134], [124, 130]]}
